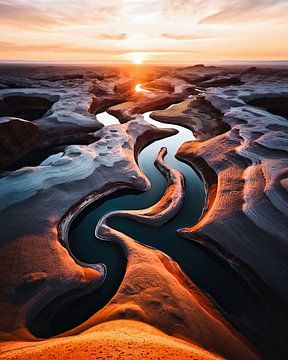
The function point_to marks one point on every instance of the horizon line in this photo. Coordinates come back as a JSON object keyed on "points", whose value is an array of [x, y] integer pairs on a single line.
{"points": [[159, 63]]}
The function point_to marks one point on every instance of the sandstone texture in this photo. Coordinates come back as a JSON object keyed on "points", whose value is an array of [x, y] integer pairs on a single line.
{"points": [[196, 114], [121, 339], [57, 111], [239, 118], [246, 216]]}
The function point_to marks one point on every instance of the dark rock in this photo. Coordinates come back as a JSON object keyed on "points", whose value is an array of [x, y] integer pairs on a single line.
{"points": [[17, 137]]}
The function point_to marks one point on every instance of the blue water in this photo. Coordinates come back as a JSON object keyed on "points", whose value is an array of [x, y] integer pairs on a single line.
{"points": [[87, 248], [204, 268], [238, 302], [211, 274]]}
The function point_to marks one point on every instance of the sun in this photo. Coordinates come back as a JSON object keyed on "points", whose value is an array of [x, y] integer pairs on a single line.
{"points": [[137, 59]]}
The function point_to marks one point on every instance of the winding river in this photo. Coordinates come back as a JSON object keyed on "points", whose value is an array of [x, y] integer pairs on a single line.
{"points": [[210, 274], [205, 269]]}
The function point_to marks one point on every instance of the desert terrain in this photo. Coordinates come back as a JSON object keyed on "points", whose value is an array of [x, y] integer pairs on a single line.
{"points": [[143, 212]]}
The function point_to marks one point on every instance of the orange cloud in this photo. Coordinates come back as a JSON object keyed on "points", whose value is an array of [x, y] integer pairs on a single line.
{"points": [[185, 36], [25, 15], [38, 15], [107, 36], [245, 10], [65, 48], [165, 30]]}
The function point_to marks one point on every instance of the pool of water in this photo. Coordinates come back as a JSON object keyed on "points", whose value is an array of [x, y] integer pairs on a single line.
{"points": [[107, 119]]}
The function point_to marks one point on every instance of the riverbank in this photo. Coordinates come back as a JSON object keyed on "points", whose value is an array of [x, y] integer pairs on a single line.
{"points": [[246, 218]]}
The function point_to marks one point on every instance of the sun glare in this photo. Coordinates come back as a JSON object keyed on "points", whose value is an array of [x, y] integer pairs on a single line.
{"points": [[138, 88], [137, 59]]}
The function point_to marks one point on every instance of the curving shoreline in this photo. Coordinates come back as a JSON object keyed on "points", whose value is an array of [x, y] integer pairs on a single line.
{"points": [[165, 209], [104, 232], [242, 225]]}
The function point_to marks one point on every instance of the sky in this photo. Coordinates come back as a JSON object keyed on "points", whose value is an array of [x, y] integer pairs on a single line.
{"points": [[152, 31]]}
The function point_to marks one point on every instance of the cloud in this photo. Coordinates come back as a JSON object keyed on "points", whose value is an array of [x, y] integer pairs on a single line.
{"points": [[113, 28], [26, 15], [187, 7], [59, 48], [106, 36], [246, 10], [44, 15], [67, 48], [185, 36]]}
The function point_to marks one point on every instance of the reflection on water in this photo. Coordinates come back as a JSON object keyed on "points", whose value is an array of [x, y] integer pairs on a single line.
{"points": [[138, 88], [107, 119]]}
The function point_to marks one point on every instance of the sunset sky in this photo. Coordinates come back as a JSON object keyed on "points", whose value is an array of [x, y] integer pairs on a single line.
{"points": [[157, 31]]}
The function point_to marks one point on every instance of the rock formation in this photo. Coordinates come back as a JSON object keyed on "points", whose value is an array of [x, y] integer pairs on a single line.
{"points": [[196, 114], [17, 137], [245, 217], [157, 311]]}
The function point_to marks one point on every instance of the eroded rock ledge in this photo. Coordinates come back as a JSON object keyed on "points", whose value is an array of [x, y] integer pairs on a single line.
{"points": [[33, 241], [196, 114], [246, 220], [243, 162], [166, 208]]}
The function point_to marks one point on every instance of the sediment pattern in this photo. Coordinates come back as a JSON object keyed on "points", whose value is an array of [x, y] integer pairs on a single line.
{"points": [[88, 173], [247, 216], [241, 154], [161, 212]]}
